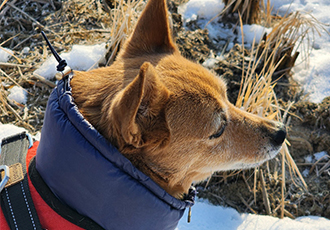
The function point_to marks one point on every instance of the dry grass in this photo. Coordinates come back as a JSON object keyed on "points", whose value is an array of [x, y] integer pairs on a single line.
{"points": [[257, 96], [291, 36], [125, 12]]}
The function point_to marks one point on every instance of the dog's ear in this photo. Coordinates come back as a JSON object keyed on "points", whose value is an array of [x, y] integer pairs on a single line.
{"points": [[138, 111], [152, 32]]}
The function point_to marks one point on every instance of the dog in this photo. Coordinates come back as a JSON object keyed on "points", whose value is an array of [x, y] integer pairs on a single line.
{"points": [[151, 110], [168, 115]]}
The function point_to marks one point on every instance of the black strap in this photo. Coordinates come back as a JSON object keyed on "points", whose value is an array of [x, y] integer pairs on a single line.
{"points": [[16, 201]]}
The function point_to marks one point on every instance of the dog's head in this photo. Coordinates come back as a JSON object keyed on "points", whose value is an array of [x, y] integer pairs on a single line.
{"points": [[170, 116]]}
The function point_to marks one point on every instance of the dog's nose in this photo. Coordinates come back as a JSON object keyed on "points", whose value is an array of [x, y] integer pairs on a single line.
{"points": [[279, 137]]}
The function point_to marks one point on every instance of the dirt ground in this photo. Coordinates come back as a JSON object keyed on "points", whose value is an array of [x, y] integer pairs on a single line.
{"points": [[308, 123]]}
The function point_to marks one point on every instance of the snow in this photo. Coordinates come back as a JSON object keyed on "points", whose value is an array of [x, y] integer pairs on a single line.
{"points": [[259, 222], [81, 57], [308, 159], [324, 155], [18, 94], [26, 50], [206, 9], [317, 156], [209, 217], [253, 33], [5, 54], [211, 61], [305, 173], [203, 12]]}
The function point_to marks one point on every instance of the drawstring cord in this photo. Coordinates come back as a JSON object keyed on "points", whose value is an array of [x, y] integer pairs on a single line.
{"points": [[189, 215], [62, 67], [190, 197], [61, 63]]}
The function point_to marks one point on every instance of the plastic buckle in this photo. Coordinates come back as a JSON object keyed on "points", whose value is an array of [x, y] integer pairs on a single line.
{"points": [[5, 178]]}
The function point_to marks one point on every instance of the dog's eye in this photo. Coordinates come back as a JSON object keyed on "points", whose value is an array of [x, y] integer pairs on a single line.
{"points": [[219, 133]]}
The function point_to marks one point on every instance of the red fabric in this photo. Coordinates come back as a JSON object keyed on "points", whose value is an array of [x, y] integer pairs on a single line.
{"points": [[48, 218]]}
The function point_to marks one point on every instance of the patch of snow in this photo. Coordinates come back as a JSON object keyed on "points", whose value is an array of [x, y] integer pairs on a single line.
{"points": [[219, 31], [320, 155], [5, 54], [209, 217], [81, 57], [253, 33], [203, 12], [305, 173], [260, 222], [18, 94], [26, 50], [205, 216], [308, 159], [206, 9], [212, 60]]}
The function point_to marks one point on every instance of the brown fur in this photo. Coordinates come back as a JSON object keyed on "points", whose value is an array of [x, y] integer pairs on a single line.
{"points": [[160, 110]]}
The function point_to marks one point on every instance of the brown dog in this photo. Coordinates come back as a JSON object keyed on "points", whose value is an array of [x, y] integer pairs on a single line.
{"points": [[169, 116]]}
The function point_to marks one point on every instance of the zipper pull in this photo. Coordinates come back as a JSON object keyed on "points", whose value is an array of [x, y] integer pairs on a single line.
{"points": [[189, 215]]}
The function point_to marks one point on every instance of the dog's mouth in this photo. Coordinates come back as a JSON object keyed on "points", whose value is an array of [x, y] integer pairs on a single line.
{"points": [[273, 152], [251, 161], [266, 156]]}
